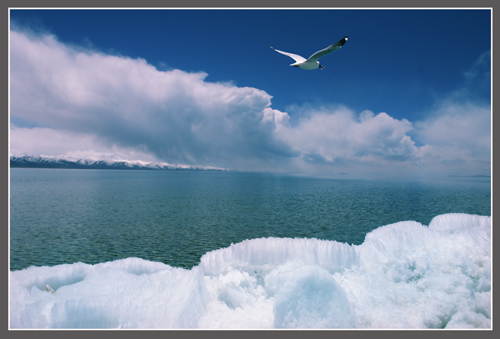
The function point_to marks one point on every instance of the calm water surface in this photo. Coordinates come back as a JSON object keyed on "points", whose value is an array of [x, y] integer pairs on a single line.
{"points": [[64, 216]]}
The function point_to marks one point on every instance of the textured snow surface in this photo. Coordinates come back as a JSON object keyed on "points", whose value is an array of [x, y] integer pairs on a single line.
{"points": [[404, 275]]}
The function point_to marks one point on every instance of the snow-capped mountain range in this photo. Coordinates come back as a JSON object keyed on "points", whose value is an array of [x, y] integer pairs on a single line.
{"points": [[45, 161]]}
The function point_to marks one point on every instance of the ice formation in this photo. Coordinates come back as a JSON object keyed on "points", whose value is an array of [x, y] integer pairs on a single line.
{"points": [[404, 275]]}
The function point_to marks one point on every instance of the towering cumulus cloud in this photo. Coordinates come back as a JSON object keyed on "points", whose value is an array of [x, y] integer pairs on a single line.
{"points": [[174, 115], [67, 100]]}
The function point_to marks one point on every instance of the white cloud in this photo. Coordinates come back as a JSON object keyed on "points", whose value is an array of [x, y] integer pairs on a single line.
{"points": [[339, 133], [48, 141], [454, 139], [90, 103], [480, 71], [456, 135], [175, 115]]}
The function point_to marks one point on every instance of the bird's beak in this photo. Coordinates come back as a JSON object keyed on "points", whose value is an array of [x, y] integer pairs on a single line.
{"points": [[321, 67]]}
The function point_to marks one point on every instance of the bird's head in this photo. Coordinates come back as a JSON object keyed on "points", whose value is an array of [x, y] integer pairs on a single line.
{"points": [[321, 67]]}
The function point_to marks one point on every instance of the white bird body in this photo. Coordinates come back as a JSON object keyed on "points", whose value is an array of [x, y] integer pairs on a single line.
{"points": [[312, 62]]}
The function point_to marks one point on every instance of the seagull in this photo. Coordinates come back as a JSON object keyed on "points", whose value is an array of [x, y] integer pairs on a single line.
{"points": [[312, 62]]}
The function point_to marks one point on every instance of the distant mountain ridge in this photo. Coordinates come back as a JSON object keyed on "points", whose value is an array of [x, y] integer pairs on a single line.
{"points": [[43, 161]]}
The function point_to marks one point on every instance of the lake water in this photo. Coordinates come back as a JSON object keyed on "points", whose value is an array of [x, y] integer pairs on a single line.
{"points": [[60, 216]]}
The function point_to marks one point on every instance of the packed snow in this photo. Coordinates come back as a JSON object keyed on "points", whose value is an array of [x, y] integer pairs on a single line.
{"points": [[104, 161], [404, 275]]}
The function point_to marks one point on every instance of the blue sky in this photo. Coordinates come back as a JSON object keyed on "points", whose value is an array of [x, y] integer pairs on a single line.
{"points": [[386, 99]]}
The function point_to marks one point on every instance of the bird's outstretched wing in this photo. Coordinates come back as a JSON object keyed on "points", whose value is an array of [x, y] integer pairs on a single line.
{"points": [[329, 49], [295, 57]]}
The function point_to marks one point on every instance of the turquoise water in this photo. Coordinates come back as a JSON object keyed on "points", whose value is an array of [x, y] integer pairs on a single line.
{"points": [[65, 216]]}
